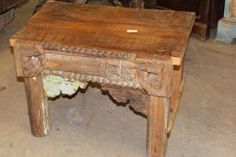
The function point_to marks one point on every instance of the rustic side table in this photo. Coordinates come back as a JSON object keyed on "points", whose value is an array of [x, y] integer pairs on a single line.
{"points": [[135, 55]]}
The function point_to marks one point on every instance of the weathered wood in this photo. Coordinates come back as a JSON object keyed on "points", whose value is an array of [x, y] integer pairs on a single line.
{"points": [[138, 99], [177, 84], [130, 52], [90, 26], [56, 85], [158, 109], [37, 106], [155, 78], [29, 59]]}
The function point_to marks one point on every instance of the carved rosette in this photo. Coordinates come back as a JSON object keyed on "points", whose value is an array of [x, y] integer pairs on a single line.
{"points": [[33, 65], [29, 59]]}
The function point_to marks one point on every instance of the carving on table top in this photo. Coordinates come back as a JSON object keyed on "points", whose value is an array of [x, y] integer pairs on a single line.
{"points": [[138, 99], [89, 51]]}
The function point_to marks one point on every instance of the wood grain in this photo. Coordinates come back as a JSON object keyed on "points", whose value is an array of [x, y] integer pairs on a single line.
{"points": [[160, 33], [177, 85], [138, 99], [131, 53], [158, 109], [37, 106]]}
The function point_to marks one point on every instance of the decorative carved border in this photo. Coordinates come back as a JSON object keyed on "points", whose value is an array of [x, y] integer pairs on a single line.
{"points": [[154, 76], [88, 51], [87, 78]]}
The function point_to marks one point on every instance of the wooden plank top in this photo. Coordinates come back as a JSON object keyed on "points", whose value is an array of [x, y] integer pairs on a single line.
{"points": [[145, 33]]}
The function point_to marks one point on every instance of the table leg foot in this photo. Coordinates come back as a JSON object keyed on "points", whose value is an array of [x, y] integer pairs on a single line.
{"points": [[37, 106], [158, 109]]}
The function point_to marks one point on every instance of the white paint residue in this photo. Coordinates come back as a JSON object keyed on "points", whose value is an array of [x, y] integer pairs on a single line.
{"points": [[132, 31]]}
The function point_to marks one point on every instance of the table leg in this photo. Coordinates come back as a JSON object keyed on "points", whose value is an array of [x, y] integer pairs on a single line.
{"points": [[37, 106], [177, 84], [158, 109]]}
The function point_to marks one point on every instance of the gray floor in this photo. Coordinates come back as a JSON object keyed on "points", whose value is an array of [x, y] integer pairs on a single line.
{"points": [[90, 125]]}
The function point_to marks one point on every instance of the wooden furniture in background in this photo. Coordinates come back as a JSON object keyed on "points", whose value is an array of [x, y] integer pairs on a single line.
{"points": [[208, 12], [134, 54], [226, 30], [7, 10], [6, 5]]}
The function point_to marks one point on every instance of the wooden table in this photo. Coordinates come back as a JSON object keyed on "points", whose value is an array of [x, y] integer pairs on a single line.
{"points": [[135, 54]]}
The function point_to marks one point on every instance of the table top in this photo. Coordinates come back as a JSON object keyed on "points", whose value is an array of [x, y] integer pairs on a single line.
{"points": [[145, 33]]}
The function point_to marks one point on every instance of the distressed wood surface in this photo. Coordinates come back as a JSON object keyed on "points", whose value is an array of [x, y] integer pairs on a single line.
{"points": [[160, 34], [56, 85], [176, 92], [131, 53], [138, 99], [37, 106], [158, 110]]}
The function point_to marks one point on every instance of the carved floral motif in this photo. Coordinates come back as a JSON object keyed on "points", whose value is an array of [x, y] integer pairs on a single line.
{"points": [[29, 59], [33, 65]]}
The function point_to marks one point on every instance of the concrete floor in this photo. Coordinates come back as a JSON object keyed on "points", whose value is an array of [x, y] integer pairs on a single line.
{"points": [[90, 125]]}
